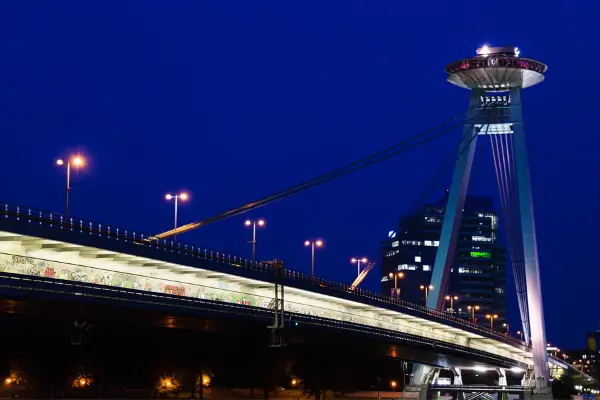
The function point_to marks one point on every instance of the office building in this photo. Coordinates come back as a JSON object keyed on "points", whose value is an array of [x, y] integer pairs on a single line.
{"points": [[478, 277]]}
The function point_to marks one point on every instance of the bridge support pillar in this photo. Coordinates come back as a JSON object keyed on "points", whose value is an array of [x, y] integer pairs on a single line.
{"points": [[502, 382], [502, 377], [421, 379], [457, 381], [537, 329]]}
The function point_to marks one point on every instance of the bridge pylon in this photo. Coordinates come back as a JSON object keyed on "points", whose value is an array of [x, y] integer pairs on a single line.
{"points": [[496, 77]]}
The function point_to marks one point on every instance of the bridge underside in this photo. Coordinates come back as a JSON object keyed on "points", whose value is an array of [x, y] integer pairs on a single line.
{"points": [[45, 297]]}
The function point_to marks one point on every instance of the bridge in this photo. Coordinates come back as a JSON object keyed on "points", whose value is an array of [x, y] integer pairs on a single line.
{"points": [[47, 254]]}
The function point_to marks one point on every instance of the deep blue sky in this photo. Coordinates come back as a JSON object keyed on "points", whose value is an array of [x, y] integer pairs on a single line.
{"points": [[232, 100]]}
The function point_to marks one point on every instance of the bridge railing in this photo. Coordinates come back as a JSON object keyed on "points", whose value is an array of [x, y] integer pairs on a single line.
{"points": [[57, 221]]}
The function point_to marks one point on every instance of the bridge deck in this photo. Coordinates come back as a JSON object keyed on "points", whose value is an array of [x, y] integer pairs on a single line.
{"points": [[35, 243]]}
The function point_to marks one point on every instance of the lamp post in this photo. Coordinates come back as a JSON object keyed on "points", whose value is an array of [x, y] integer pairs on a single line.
{"points": [[396, 276], [261, 223], [426, 289], [452, 299], [76, 161], [312, 244], [472, 309], [358, 261], [492, 317], [520, 335], [507, 326], [182, 196]]}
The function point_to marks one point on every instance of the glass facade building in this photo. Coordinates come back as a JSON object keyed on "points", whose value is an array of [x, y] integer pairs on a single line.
{"points": [[478, 277]]}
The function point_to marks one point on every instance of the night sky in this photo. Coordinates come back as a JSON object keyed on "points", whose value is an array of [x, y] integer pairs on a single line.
{"points": [[233, 100]]}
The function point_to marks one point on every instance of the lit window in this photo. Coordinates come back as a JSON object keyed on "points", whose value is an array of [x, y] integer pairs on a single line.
{"points": [[499, 290], [426, 268], [406, 267], [480, 254], [436, 243], [480, 215], [417, 258], [481, 239], [395, 244], [428, 243]]}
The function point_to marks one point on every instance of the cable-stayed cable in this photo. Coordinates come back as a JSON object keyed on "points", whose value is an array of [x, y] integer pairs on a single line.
{"points": [[431, 186], [378, 157], [504, 164]]}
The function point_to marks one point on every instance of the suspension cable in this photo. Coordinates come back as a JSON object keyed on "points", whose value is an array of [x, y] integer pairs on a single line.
{"points": [[392, 151]]}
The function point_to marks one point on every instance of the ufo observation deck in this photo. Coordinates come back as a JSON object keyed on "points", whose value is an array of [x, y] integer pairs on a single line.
{"points": [[496, 72]]}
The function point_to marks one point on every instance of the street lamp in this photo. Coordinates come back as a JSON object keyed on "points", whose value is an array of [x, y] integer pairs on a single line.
{"points": [[472, 309], [427, 289], [452, 299], [261, 223], [393, 384], [358, 261], [396, 276], [492, 317], [182, 196], [520, 334], [507, 326], [313, 244], [76, 161]]}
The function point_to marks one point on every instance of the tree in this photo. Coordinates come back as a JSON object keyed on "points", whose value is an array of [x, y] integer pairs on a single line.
{"points": [[564, 387]]}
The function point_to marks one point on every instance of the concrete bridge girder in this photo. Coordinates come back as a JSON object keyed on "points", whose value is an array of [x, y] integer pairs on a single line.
{"points": [[96, 258]]}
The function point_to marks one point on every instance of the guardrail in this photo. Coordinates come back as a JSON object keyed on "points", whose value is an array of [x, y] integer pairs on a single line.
{"points": [[29, 215]]}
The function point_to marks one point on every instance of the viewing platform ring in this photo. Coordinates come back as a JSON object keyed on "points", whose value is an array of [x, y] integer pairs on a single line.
{"points": [[496, 74]]}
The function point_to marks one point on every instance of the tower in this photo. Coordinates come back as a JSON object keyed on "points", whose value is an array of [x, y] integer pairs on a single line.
{"points": [[496, 77]]}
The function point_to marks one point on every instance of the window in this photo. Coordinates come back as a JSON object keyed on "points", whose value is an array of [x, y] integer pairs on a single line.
{"points": [[499, 290], [436, 243], [395, 244], [406, 267], [417, 258], [480, 254], [428, 243], [481, 239], [463, 270], [426, 268]]}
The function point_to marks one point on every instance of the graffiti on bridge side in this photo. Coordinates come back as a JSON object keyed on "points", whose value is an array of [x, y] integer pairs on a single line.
{"points": [[34, 267], [224, 292]]}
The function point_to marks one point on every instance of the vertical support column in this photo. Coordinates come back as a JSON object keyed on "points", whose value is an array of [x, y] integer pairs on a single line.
{"points": [[502, 377], [457, 381], [454, 208], [532, 270], [502, 382], [436, 376]]}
